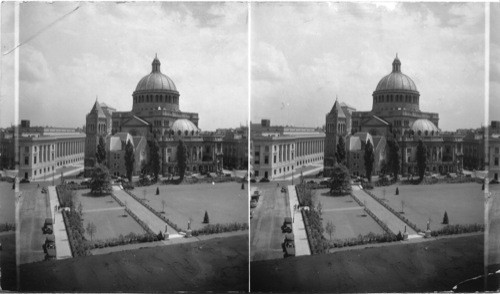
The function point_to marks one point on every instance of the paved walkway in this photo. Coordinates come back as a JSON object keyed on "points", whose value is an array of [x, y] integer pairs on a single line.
{"points": [[343, 209], [155, 223], [297, 174], [104, 209], [299, 229], [63, 249], [394, 223]]}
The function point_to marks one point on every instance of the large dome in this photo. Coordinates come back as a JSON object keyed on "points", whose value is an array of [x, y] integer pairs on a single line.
{"points": [[396, 80], [425, 127], [156, 81]]}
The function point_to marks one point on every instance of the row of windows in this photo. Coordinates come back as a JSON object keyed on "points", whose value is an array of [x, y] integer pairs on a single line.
{"points": [[396, 98], [156, 98]]}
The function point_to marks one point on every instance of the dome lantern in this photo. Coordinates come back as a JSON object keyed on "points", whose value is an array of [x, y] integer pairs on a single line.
{"points": [[156, 64], [396, 64]]}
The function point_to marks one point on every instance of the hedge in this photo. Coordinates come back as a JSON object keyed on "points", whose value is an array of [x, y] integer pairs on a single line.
{"points": [[220, 228], [370, 238], [458, 229], [314, 229], [7, 227], [396, 213], [123, 240]]}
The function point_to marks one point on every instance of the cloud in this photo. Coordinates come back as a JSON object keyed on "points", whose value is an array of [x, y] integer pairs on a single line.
{"points": [[104, 49], [269, 64], [33, 67], [345, 49]]}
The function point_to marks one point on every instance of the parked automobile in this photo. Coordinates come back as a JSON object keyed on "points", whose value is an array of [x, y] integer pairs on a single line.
{"points": [[48, 226], [288, 245], [253, 203], [287, 225], [24, 180], [44, 190], [50, 243], [283, 190]]}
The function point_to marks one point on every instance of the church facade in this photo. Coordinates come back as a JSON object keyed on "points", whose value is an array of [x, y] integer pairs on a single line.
{"points": [[396, 115], [156, 115]]}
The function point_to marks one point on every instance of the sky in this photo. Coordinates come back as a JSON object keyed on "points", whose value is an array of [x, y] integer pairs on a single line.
{"points": [[304, 55], [494, 105], [103, 49]]}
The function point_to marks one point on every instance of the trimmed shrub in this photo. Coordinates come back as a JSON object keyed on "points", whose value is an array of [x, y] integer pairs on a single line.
{"points": [[397, 190], [205, 218], [445, 218], [458, 229], [7, 227], [157, 191], [220, 228]]}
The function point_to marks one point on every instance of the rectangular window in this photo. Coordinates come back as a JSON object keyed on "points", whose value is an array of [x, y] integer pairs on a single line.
{"points": [[274, 160], [266, 159], [266, 148], [497, 150], [496, 161], [27, 149], [256, 173], [26, 160], [34, 159]]}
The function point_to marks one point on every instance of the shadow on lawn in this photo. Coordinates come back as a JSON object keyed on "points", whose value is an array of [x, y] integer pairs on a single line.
{"points": [[91, 195]]}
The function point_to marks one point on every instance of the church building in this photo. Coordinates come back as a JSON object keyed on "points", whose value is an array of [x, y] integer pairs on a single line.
{"points": [[156, 115]]}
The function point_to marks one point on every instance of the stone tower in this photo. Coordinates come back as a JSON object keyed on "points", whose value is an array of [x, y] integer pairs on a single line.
{"points": [[98, 123], [336, 126]]}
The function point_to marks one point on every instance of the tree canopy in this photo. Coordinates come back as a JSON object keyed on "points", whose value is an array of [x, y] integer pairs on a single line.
{"points": [[100, 180], [393, 158], [340, 182], [369, 158], [100, 155], [181, 159], [154, 158], [421, 159], [129, 160], [340, 154]]}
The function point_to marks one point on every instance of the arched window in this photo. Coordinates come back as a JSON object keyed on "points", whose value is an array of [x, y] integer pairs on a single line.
{"points": [[186, 132], [179, 132]]}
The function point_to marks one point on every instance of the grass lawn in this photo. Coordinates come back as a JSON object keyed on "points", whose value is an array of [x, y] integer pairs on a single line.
{"points": [[346, 215], [7, 203], [436, 265], [464, 203], [107, 215], [218, 265], [224, 202]]}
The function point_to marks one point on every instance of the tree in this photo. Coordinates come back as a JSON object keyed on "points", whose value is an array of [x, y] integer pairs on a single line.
{"points": [[100, 180], [393, 164], [100, 155], [397, 190], [154, 158], [91, 229], [242, 185], [421, 159], [402, 206], [340, 183], [340, 154], [445, 218], [80, 209], [157, 191], [205, 218], [163, 202], [129, 160], [319, 208], [369, 160], [330, 229], [181, 159]]}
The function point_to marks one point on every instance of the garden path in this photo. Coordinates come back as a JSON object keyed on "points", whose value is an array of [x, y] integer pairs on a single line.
{"points": [[394, 223], [155, 223]]}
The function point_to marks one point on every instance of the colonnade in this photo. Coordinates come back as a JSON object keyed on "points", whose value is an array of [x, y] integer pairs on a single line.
{"points": [[68, 148]]}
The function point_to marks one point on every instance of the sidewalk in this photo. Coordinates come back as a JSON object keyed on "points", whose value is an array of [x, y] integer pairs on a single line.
{"points": [[63, 249], [155, 223], [394, 223], [299, 230]]}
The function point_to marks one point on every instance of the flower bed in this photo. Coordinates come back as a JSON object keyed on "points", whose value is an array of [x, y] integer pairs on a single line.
{"points": [[7, 227], [304, 195], [362, 240], [314, 230], [458, 229], [220, 228], [404, 219], [124, 240]]}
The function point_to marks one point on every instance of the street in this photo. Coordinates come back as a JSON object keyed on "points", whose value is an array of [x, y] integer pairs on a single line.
{"points": [[265, 226]]}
